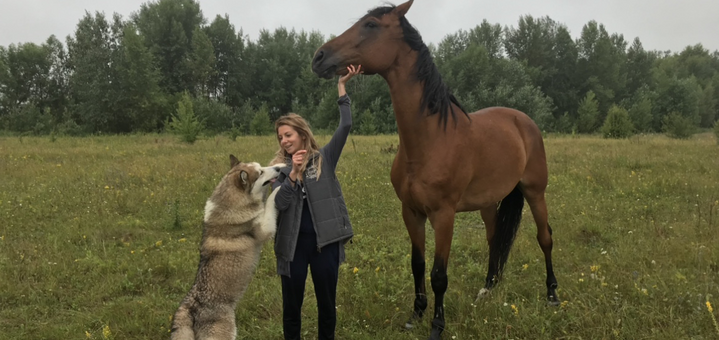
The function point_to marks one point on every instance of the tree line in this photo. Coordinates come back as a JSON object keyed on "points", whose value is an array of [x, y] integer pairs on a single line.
{"points": [[139, 74]]}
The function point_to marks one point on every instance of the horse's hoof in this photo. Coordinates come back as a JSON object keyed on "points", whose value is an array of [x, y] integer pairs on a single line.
{"points": [[435, 335], [552, 300], [483, 293], [409, 325]]}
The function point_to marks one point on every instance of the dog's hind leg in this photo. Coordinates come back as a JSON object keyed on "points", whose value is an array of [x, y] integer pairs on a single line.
{"points": [[182, 325], [220, 324]]}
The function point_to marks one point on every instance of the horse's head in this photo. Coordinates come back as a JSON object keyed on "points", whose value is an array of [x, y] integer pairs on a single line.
{"points": [[373, 42]]}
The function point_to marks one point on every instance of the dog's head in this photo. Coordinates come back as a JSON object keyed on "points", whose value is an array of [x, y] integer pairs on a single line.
{"points": [[251, 177]]}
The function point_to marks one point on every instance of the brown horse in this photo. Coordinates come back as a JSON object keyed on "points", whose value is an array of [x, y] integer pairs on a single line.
{"points": [[448, 161]]}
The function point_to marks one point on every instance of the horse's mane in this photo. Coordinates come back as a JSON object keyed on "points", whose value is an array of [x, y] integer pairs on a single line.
{"points": [[436, 97]]}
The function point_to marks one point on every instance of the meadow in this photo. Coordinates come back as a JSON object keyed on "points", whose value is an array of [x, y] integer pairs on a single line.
{"points": [[99, 240]]}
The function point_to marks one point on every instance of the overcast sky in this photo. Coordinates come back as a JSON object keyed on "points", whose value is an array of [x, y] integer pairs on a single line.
{"points": [[660, 24]]}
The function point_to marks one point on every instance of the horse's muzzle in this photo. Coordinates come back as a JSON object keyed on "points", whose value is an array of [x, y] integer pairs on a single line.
{"points": [[322, 66]]}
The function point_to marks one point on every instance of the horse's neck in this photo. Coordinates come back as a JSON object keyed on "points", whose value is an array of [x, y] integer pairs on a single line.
{"points": [[414, 126]]}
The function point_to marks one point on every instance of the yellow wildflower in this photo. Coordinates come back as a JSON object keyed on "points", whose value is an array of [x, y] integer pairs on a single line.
{"points": [[88, 335], [158, 243], [594, 268], [525, 266], [182, 240], [709, 307], [515, 310], [107, 187], [106, 332], [376, 270], [355, 270]]}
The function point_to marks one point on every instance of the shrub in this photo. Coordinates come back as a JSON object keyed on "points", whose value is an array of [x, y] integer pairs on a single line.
{"points": [[216, 115], [185, 123], [261, 124], [716, 130], [617, 124], [678, 126], [641, 115], [588, 113], [367, 124]]}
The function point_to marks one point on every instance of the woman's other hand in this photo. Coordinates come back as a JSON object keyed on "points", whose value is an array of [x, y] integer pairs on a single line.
{"points": [[351, 72], [297, 159]]}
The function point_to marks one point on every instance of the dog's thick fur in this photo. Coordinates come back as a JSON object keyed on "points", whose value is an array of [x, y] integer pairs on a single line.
{"points": [[237, 223]]}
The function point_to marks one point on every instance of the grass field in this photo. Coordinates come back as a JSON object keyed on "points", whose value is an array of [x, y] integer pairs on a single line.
{"points": [[99, 240]]}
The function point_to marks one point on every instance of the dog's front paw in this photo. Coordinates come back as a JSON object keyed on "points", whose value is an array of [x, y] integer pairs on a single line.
{"points": [[271, 198]]}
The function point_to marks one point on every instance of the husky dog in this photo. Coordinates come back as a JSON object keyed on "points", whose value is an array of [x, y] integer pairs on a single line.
{"points": [[237, 223]]}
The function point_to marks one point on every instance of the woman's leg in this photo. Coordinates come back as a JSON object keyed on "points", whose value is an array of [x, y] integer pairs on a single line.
{"points": [[293, 288], [324, 266]]}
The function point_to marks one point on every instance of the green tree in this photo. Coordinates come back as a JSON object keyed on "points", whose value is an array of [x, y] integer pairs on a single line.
{"points": [[681, 96], [639, 67], [490, 36], [168, 27], [229, 82], [601, 64], [92, 57], [707, 106], [588, 113], [201, 62], [33, 74], [275, 63], [184, 122], [617, 124], [140, 97]]}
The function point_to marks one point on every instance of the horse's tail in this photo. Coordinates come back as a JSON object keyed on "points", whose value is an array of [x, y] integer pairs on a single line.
{"points": [[182, 324], [509, 215]]}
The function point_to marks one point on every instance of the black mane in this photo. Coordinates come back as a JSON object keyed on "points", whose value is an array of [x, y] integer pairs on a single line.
{"points": [[436, 97]]}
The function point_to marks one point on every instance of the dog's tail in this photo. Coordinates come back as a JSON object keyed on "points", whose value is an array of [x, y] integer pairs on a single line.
{"points": [[182, 324]]}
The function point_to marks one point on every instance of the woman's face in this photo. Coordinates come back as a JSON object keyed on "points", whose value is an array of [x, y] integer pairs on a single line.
{"points": [[289, 139]]}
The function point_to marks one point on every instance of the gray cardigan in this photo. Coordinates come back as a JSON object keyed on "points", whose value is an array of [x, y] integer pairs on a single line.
{"points": [[324, 195]]}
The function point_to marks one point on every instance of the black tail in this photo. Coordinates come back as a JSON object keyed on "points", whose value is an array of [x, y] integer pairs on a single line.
{"points": [[509, 215]]}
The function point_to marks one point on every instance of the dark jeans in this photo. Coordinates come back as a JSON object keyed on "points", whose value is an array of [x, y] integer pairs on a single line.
{"points": [[324, 266]]}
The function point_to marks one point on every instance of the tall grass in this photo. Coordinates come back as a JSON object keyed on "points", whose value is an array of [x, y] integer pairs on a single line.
{"points": [[99, 240]]}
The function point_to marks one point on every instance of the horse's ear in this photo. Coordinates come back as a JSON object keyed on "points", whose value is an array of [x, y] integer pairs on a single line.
{"points": [[233, 161], [402, 9]]}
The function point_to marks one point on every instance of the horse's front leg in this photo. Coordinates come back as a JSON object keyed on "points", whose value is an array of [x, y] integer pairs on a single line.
{"points": [[415, 221], [443, 224]]}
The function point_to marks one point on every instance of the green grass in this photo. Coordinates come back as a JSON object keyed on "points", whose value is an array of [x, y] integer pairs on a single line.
{"points": [[102, 233]]}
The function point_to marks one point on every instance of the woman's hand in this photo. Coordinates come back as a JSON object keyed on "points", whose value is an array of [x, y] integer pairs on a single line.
{"points": [[351, 72], [297, 159]]}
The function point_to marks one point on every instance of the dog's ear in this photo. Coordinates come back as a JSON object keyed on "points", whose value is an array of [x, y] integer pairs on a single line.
{"points": [[233, 161], [243, 177]]}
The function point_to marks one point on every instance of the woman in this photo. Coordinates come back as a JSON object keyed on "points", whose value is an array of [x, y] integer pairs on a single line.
{"points": [[312, 224]]}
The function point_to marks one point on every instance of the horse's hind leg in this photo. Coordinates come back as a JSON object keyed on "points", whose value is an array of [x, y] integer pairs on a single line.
{"points": [[489, 216], [414, 222], [544, 235]]}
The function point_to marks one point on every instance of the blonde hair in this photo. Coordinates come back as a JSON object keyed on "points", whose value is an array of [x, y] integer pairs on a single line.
{"points": [[300, 125]]}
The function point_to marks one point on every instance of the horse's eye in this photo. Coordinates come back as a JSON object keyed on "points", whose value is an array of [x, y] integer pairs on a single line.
{"points": [[370, 24]]}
